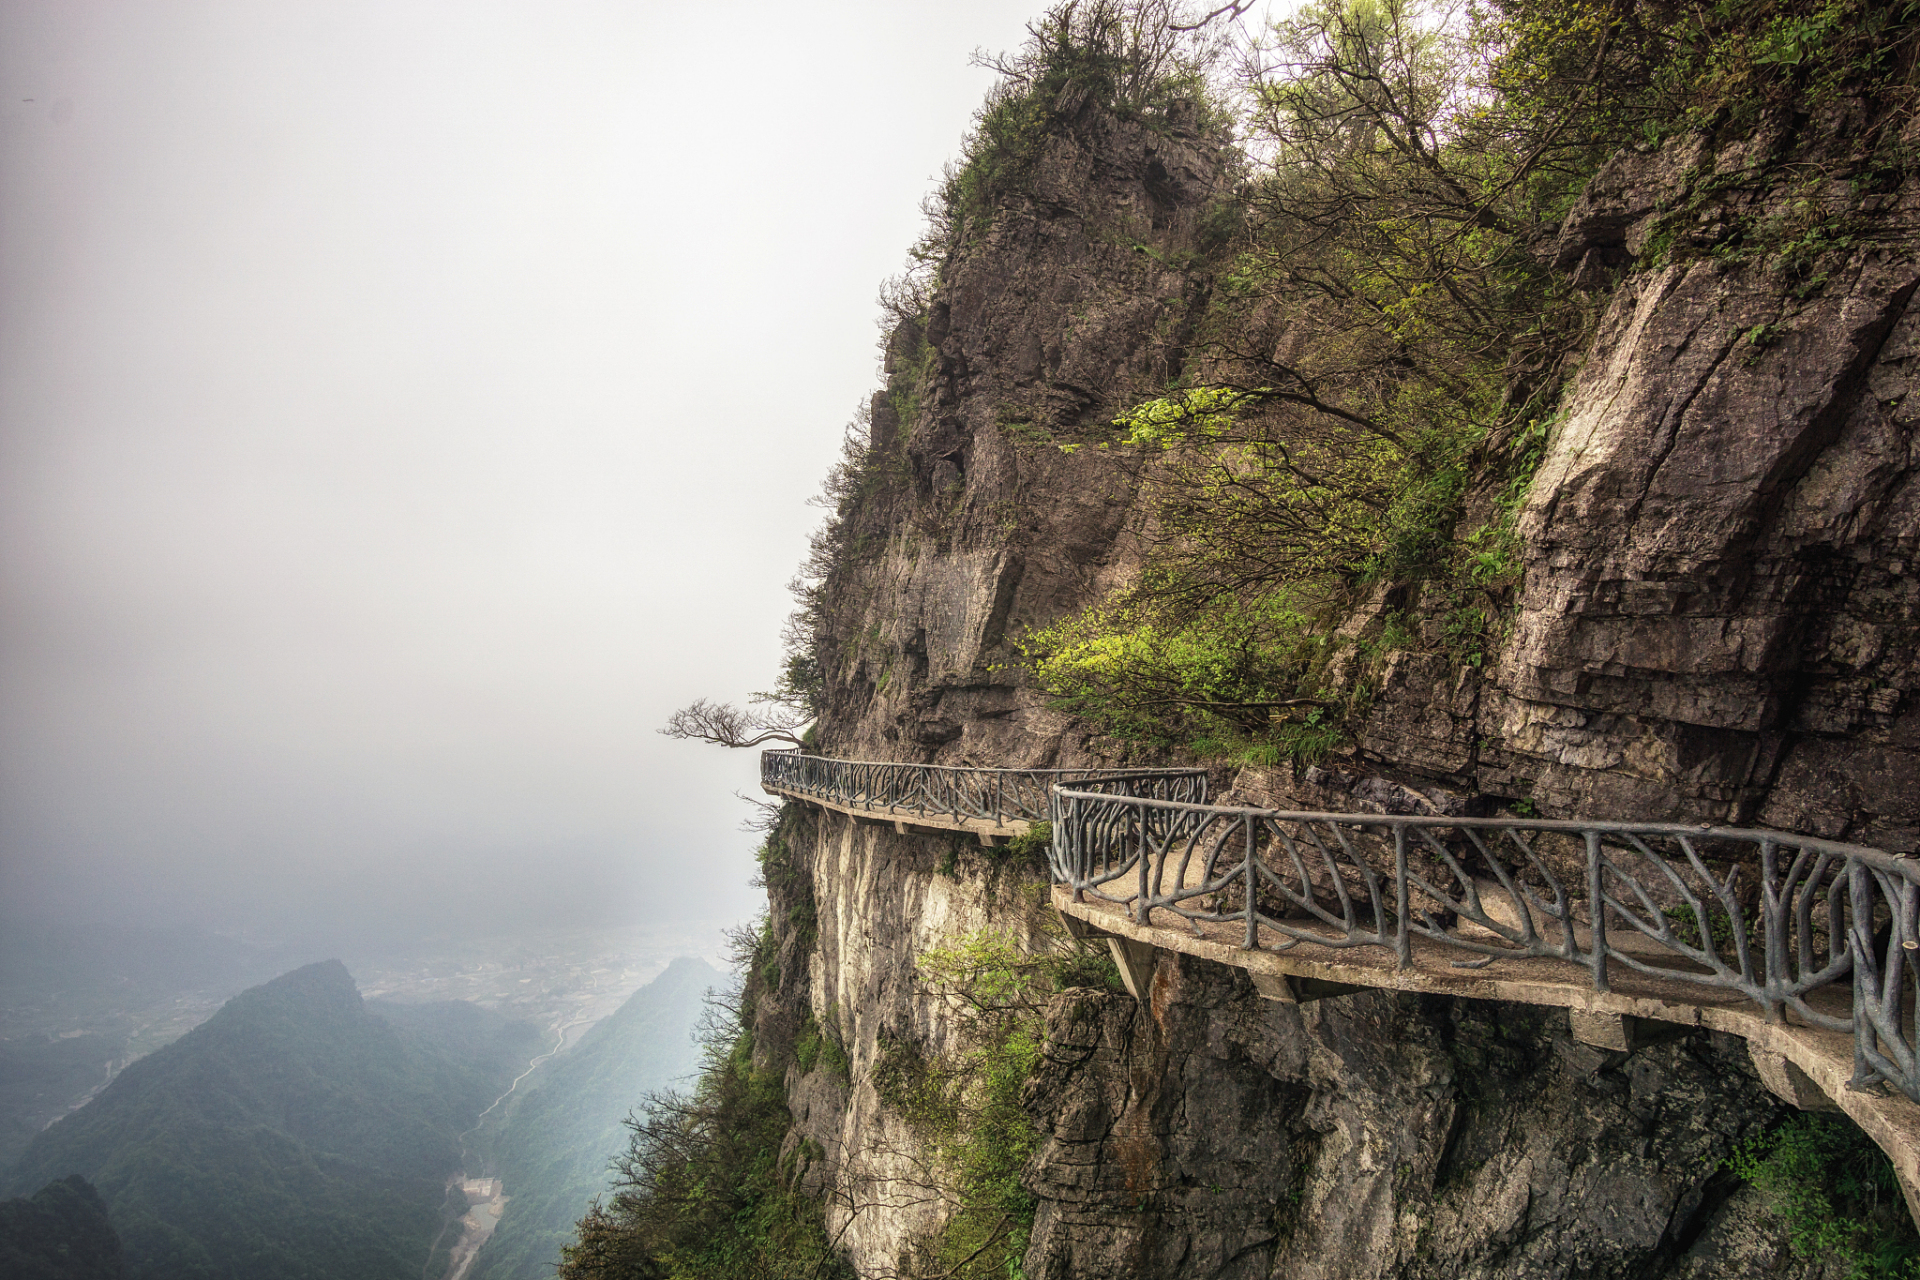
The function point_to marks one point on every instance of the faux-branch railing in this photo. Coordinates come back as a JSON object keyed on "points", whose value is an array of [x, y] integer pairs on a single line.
{"points": [[1825, 930], [999, 796]]}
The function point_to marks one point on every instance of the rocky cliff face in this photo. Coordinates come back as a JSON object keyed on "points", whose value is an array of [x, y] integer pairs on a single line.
{"points": [[1720, 619], [1206, 1132], [1720, 615], [1064, 311]]}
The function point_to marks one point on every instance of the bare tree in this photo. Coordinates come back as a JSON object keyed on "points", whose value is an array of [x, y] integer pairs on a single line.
{"points": [[731, 726], [762, 816]]}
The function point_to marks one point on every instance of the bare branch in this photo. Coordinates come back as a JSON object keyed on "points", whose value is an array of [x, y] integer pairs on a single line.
{"points": [[1228, 11], [763, 817], [731, 726]]}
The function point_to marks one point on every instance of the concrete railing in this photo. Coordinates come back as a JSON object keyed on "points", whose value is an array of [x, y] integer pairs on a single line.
{"points": [[1821, 931], [1807, 948], [998, 798]]}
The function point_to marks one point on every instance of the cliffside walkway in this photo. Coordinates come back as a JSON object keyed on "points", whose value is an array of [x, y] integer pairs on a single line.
{"points": [[1806, 948]]}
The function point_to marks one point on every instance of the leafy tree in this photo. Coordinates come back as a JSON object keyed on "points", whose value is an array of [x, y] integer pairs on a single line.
{"points": [[1384, 341]]}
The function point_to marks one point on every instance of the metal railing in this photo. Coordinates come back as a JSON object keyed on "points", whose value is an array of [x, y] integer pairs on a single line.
{"points": [[997, 796], [1823, 930]]}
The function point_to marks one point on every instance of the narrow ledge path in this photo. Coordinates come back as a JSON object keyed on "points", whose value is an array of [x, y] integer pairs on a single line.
{"points": [[1808, 1066], [1805, 1066]]}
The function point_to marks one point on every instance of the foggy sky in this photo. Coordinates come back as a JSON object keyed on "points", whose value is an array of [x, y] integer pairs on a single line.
{"points": [[403, 407]]}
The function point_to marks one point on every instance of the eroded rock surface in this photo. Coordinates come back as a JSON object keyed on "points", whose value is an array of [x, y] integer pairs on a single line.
{"points": [[1209, 1133], [1720, 620]]}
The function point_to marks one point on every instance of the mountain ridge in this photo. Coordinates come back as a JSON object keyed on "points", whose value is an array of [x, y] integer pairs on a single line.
{"points": [[293, 1133]]}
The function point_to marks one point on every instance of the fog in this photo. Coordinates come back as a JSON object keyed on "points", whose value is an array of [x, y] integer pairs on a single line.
{"points": [[404, 406]]}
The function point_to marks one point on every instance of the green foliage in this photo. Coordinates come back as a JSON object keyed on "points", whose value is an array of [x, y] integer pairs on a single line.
{"points": [[968, 1108], [1415, 162], [1122, 54], [905, 376], [1237, 678], [1396, 225], [818, 1046], [1030, 845], [1202, 415], [1216, 648], [780, 875], [700, 1194], [1836, 1193], [1740, 56]]}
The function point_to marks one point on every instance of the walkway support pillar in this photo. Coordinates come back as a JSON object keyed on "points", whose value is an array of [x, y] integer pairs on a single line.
{"points": [[1787, 1081], [1135, 961], [1283, 989], [1619, 1031]]}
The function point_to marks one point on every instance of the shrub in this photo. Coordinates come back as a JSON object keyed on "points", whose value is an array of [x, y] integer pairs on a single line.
{"points": [[1836, 1193], [968, 1107]]}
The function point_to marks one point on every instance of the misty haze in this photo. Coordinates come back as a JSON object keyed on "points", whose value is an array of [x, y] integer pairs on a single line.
{"points": [[402, 409], [405, 408], [1024, 640]]}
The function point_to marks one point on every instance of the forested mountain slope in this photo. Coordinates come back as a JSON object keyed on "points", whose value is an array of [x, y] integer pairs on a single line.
{"points": [[61, 1232], [292, 1134]]}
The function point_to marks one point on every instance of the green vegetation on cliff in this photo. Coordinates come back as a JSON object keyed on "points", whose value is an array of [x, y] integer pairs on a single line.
{"points": [[1390, 331], [1837, 1194], [969, 1108], [701, 1193]]}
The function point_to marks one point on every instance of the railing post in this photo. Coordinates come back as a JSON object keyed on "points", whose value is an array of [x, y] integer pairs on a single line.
{"points": [[1402, 938], [1865, 970], [1597, 910], [1774, 932], [1253, 919], [1141, 912]]}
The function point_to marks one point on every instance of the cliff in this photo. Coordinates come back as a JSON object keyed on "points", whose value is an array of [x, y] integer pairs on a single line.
{"points": [[1713, 617]]}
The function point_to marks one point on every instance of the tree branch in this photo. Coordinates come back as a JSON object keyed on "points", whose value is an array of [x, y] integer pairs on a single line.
{"points": [[731, 726]]}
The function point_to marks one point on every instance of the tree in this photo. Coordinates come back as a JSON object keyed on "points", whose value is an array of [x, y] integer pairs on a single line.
{"points": [[731, 726]]}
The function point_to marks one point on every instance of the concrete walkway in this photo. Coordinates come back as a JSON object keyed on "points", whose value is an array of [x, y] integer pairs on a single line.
{"points": [[1805, 1066]]}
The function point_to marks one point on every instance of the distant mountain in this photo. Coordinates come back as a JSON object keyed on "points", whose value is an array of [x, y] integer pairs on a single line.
{"points": [[553, 1153], [294, 1134], [62, 1233], [72, 998]]}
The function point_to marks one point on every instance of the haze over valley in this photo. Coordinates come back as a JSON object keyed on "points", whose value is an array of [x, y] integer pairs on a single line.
{"points": [[1091, 640], [376, 473]]}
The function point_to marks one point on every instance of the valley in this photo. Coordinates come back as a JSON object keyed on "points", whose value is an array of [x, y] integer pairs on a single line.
{"points": [[72, 1019]]}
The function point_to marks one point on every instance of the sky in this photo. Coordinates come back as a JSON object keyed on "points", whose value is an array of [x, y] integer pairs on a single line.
{"points": [[405, 406]]}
